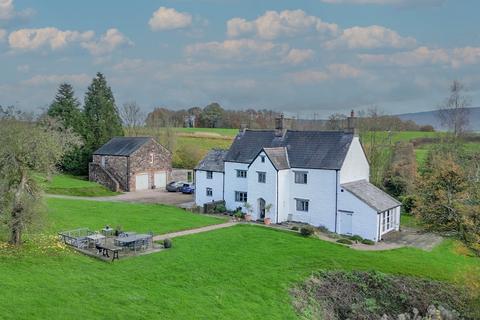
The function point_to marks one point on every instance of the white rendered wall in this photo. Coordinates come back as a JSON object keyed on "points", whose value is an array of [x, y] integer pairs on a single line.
{"points": [[202, 183], [321, 193], [232, 184], [355, 166], [364, 218], [284, 199], [267, 190]]}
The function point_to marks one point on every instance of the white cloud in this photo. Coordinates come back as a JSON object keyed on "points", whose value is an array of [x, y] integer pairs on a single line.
{"points": [[107, 43], [309, 76], [298, 56], [8, 12], [3, 34], [370, 37], [236, 49], [32, 39], [464, 56], [419, 56], [343, 71], [333, 71], [273, 24], [388, 2], [76, 79], [169, 19], [24, 68]]}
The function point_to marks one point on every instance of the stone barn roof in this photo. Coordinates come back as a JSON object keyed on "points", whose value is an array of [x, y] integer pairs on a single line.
{"points": [[122, 146]]}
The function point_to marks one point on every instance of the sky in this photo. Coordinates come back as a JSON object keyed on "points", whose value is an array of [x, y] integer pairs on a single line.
{"points": [[303, 57]]}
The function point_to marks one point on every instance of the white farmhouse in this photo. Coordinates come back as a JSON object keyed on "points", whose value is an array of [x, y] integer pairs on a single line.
{"points": [[316, 177]]}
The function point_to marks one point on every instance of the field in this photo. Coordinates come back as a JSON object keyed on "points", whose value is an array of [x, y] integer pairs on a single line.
{"points": [[74, 186], [242, 272]]}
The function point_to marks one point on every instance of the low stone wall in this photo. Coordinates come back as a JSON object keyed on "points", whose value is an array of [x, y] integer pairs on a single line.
{"points": [[98, 174], [181, 175]]}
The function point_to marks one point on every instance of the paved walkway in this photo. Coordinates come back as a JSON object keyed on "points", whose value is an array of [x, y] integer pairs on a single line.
{"points": [[194, 231]]}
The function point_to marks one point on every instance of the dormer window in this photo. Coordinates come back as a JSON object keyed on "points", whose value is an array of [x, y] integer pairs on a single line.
{"points": [[152, 158]]}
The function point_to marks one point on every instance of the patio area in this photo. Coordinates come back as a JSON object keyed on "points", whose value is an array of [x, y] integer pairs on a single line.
{"points": [[110, 244]]}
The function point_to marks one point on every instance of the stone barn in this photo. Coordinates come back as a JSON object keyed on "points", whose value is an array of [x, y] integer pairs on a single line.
{"points": [[131, 164]]}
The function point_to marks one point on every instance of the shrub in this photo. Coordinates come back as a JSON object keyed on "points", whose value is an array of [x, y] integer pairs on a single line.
{"points": [[368, 242], [345, 241], [220, 208], [356, 238], [323, 229], [167, 243], [307, 231], [407, 203], [295, 228], [239, 214]]}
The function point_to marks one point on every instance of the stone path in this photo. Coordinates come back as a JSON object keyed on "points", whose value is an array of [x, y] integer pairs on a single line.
{"points": [[194, 231]]}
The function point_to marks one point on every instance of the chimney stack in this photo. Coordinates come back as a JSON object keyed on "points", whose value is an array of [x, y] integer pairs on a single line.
{"points": [[279, 126], [351, 124]]}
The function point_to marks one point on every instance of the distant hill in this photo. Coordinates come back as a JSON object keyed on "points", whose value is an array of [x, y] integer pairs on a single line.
{"points": [[430, 117]]}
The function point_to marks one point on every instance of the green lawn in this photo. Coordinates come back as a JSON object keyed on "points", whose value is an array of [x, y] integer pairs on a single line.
{"points": [[75, 186], [243, 272], [67, 214]]}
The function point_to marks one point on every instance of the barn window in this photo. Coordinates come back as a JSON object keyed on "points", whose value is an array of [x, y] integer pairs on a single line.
{"points": [[152, 158], [209, 192]]}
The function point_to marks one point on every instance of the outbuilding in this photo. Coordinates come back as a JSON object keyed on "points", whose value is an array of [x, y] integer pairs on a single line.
{"points": [[131, 164]]}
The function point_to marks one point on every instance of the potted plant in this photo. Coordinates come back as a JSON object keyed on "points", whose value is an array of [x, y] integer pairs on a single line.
{"points": [[267, 219], [248, 215]]}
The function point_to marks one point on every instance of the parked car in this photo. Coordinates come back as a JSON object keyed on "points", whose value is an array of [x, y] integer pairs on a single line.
{"points": [[188, 188], [175, 186]]}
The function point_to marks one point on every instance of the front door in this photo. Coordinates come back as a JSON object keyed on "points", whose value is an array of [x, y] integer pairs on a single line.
{"points": [[261, 208]]}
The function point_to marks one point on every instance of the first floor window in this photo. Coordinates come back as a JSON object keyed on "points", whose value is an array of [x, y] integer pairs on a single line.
{"points": [[302, 205], [262, 177], [241, 173], [209, 174], [209, 192], [301, 177], [240, 196]]}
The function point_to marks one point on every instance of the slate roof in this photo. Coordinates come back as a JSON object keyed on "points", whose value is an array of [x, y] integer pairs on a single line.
{"points": [[305, 149], [278, 156], [213, 161], [371, 195], [122, 146]]}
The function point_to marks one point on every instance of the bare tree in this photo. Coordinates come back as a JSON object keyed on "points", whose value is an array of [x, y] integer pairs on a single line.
{"points": [[453, 113], [132, 117]]}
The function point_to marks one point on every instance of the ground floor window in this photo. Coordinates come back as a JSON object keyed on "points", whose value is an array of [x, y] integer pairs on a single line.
{"points": [[240, 196], [302, 205], [209, 192], [387, 220]]}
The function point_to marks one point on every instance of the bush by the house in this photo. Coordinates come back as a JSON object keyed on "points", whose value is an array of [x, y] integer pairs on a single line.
{"points": [[374, 295], [368, 242], [307, 231], [167, 243], [295, 228], [239, 214], [220, 208], [356, 238], [323, 229], [345, 241]]}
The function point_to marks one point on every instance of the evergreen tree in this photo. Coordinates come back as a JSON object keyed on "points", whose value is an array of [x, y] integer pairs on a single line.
{"points": [[102, 120], [66, 108]]}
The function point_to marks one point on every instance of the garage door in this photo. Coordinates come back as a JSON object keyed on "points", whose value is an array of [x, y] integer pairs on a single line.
{"points": [[160, 180], [141, 182], [346, 222]]}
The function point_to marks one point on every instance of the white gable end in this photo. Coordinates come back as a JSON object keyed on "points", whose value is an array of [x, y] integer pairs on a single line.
{"points": [[355, 166]]}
